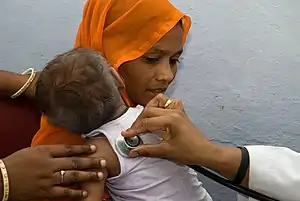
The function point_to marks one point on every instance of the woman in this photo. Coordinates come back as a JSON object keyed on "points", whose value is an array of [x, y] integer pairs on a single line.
{"points": [[144, 46], [145, 49], [142, 39], [273, 171]]}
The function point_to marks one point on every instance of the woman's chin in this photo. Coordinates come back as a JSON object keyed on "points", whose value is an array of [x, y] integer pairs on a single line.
{"points": [[149, 95]]}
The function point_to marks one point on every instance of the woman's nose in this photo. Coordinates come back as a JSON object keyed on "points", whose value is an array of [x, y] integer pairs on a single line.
{"points": [[165, 72]]}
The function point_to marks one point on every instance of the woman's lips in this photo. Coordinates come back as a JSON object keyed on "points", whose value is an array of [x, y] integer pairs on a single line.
{"points": [[157, 91]]}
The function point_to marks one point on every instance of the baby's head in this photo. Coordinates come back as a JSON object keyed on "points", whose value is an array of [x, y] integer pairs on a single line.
{"points": [[77, 90]]}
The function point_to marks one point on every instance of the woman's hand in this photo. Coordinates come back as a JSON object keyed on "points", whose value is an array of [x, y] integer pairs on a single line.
{"points": [[182, 141], [35, 172]]}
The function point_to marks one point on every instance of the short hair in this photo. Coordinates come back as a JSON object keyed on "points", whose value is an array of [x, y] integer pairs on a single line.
{"points": [[76, 91]]}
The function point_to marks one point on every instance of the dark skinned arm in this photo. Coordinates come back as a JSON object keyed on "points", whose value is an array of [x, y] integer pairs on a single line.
{"points": [[224, 160], [12, 82]]}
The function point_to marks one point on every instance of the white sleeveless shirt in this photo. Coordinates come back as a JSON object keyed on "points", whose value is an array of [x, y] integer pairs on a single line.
{"points": [[148, 179]]}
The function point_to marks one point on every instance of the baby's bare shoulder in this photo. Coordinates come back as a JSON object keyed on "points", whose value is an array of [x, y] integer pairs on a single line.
{"points": [[104, 150]]}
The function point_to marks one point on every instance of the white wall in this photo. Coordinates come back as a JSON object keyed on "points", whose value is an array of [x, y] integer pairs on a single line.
{"points": [[241, 72], [239, 78]]}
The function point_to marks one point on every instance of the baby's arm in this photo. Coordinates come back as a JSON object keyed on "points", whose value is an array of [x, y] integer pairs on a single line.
{"points": [[104, 150]]}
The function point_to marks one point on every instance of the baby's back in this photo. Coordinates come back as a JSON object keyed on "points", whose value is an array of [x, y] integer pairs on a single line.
{"points": [[142, 178]]}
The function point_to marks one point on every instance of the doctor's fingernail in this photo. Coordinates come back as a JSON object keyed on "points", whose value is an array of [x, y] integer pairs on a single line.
{"points": [[133, 154], [129, 129]]}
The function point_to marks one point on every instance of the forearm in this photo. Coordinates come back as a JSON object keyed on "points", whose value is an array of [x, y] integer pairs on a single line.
{"points": [[224, 160], [12, 82]]}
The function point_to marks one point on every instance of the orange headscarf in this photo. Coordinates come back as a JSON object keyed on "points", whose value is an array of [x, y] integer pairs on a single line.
{"points": [[123, 30]]}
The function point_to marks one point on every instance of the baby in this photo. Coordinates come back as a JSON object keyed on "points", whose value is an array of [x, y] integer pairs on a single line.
{"points": [[78, 90]]}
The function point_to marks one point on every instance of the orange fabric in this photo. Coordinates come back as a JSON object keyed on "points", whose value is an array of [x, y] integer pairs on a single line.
{"points": [[123, 30]]}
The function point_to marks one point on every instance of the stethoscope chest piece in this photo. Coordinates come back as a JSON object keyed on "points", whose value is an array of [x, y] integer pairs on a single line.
{"points": [[125, 145]]}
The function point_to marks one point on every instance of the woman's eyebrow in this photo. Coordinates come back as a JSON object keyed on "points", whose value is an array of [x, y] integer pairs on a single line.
{"points": [[158, 50], [179, 52]]}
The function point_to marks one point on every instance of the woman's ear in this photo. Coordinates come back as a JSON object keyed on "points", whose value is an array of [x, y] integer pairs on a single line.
{"points": [[117, 78]]}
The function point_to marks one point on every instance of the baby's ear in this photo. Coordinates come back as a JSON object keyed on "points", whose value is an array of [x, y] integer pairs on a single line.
{"points": [[117, 78]]}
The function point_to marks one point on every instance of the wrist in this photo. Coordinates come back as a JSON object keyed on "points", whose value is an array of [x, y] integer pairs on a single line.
{"points": [[224, 160], [10, 83], [30, 91]]}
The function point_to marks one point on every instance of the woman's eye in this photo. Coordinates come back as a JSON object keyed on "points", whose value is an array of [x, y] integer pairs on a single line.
{"points": [[151, 59]]}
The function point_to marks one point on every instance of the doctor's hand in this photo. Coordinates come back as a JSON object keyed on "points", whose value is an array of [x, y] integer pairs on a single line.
{"points": [[182, 142]]}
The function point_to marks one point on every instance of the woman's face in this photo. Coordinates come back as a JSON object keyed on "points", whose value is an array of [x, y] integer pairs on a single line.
{"points": [[152, 73]]}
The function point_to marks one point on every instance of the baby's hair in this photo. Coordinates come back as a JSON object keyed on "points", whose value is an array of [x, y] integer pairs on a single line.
{"points": [[76, 91]]}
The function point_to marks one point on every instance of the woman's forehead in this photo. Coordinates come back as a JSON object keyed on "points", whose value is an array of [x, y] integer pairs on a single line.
{"points": [[166, 49], [171, 43]]}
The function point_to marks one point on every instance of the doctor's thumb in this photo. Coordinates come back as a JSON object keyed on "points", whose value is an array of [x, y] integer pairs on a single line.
{"points": [[153, 150]]}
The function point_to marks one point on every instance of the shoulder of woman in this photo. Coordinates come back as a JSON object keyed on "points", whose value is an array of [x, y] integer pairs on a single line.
{"points": [[51, 134]]}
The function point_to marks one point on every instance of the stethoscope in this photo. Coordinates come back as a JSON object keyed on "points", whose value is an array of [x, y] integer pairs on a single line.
{"points": [[124, 145]]}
